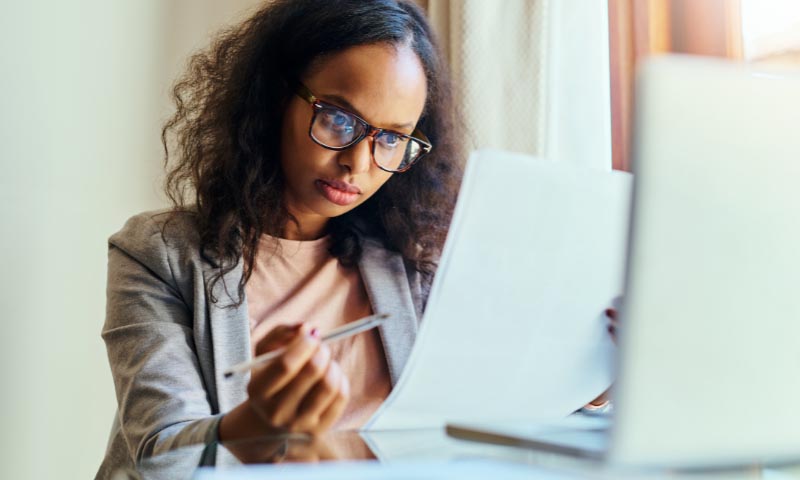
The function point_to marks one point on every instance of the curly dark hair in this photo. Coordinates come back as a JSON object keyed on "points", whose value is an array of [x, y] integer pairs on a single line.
{"points": [[226, 129]]}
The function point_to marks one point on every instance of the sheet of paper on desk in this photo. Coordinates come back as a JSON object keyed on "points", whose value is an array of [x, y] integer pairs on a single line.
{"points": [[514, 327]]}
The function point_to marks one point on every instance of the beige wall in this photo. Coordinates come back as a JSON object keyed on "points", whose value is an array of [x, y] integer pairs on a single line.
{"points": [[82, 95]]}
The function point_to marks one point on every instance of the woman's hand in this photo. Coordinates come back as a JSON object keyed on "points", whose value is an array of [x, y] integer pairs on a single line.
{"points": [[302, 391], [612, 316]]}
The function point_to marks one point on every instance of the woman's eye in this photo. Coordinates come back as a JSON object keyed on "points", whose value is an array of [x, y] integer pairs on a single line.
{"points": [[390, 140], [339, 121]]}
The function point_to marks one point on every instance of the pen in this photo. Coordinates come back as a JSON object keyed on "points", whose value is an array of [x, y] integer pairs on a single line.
{"points": [[346, 330]]}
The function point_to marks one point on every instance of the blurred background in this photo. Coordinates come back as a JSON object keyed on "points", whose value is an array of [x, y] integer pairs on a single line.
{"points": [[84, 90]]}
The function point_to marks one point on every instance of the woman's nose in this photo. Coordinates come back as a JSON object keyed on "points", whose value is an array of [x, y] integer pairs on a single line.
{"points": [[358, 158]]}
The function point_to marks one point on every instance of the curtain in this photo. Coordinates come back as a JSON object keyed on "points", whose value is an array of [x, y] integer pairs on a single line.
{"points": [[531, 76], [497, 59]]}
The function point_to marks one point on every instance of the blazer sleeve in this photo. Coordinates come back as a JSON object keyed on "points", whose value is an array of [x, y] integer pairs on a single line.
{"points": [[162, 401]]}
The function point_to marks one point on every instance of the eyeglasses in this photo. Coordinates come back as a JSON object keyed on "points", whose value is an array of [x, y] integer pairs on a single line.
{"points": [[337, 129]]}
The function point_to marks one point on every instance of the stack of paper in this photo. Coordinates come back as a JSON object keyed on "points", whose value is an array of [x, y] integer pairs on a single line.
{"points": [[514, 327]]}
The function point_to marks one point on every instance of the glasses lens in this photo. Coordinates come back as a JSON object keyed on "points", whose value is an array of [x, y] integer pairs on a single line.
{"points": [[335, 128], [396, 152]]}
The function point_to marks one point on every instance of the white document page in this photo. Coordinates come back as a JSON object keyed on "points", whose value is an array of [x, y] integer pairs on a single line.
{"points": [[515, 327]]}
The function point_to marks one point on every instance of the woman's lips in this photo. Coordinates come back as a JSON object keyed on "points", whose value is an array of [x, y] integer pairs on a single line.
{"points": [[338, 192]]}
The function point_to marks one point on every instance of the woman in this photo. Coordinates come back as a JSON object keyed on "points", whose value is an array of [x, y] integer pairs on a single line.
{"points": [[316, 168]]}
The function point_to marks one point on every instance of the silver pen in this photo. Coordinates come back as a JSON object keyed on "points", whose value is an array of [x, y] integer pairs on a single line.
{"points": [[346, 330]]}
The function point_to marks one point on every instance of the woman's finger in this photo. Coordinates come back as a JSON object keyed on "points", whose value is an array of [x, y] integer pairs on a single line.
{"points": [[613, 322], [278, 337], [288, 400], [613, 312], [335, 410], [320, 398], [267, 380]]}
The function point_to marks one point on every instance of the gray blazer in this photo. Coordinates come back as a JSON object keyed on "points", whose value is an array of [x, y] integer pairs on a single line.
{"points": [[168, 344]]}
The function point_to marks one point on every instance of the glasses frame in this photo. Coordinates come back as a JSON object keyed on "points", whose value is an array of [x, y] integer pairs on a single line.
{"points": [[318, 105]]}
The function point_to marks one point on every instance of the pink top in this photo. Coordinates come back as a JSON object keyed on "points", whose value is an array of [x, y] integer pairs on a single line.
{"points": [[303, 282]]}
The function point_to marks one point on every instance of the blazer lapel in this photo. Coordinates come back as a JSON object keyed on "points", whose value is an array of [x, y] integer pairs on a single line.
{"points": [[386, 282], [230, 337]]}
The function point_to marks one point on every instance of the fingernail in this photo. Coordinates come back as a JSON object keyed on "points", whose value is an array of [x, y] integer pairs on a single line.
{"points": [[611, 313], [612, 329]]}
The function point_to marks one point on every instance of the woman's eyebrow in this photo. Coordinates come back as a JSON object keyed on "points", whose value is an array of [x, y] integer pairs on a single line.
{"points": [[341, 101]]}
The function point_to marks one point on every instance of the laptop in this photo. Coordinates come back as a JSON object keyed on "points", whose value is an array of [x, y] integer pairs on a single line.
{"points": [[709, 357]]}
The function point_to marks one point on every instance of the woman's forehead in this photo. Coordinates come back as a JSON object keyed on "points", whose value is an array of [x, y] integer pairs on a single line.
{"points": [[378, 81]]}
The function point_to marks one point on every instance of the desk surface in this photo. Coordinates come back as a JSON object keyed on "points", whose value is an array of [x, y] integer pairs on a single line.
{"points": [[428, 454]]}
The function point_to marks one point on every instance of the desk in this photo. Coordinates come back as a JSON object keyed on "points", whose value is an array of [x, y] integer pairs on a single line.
{"points": [[427, 454]]}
